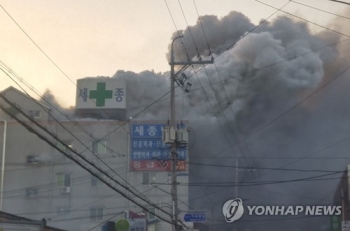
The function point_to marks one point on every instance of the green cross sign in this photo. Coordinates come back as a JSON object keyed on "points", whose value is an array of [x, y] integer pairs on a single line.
{"points": [[101, 94]]}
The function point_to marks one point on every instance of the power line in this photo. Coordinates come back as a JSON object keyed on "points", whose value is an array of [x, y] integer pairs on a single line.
{"points": [[258, 183], [312, 154], [218, 73], [297, 104], [267, 66], [312, 7], [210, 104], [200, 21], [100, 199], [287, 110], [29, 128], [105, 221], [265, 168], [340, 2], [178, 32], [96, 156], [22, 80], [70, 78], [47, 111], [324, 27], [217, 98], [42, 51], [268, 158], [48, 186], [318, 150], [80, 218]]}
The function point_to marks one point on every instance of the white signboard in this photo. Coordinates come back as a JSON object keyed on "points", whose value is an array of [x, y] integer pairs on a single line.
{"points": [[94, 93], [138, 224], [345, 225]]}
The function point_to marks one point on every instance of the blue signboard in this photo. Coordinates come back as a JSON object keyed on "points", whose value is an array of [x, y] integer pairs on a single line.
{"points": [[156, 154], [146, 143], [147, 130], [195, 217]]}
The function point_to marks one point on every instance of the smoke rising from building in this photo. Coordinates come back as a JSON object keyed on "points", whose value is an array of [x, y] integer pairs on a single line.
{"points": [[252, 83]]}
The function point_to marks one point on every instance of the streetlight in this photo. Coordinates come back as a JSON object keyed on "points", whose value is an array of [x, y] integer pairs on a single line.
{"points": [[3, 164]]}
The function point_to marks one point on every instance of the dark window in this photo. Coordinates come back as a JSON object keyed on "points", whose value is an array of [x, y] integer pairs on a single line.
{"points": [[149, 178], [96, 214], [34, 114], [151, 216], [63, 180], [99, 147]]}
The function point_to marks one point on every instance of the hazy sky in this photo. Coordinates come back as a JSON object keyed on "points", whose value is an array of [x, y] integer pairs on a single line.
{"points": [[91, 38]]}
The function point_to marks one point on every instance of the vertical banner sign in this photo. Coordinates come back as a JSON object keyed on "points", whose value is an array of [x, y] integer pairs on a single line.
{"points": [[335, 223], [149, 153]]}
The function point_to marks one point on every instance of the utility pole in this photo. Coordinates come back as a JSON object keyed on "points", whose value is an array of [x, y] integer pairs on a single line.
{"points": [[174, 143], [237, 181]]}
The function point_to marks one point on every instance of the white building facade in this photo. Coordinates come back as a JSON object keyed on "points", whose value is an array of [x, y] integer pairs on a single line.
{"points": [[40, 182]]}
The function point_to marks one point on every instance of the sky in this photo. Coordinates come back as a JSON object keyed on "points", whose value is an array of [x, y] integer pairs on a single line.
{"points": [[97, 38]]}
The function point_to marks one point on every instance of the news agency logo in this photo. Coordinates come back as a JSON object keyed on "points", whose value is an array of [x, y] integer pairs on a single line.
{"points": [[233, 210]]}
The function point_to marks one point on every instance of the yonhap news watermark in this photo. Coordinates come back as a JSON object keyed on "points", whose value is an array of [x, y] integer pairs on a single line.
{"points": [[234, 209]]}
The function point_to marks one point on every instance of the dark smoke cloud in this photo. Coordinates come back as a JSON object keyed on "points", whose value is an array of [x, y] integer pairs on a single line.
{"points": [[258, 96], [270, 43], [220, 34]]}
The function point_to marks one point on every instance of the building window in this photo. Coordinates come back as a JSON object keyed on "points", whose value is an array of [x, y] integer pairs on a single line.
{"points": [[31, 192], [149, 178], [95, 181], [63, 180], [96, 214], [99, 147], [151, 216], [32, 159], [34, 114]]}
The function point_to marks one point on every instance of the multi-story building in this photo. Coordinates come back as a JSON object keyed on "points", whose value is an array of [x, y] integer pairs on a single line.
{"points": [[12, 222], [40, 182]]}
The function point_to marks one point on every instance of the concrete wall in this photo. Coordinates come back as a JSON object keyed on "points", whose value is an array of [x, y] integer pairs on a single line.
{"points": [[71, 211]]}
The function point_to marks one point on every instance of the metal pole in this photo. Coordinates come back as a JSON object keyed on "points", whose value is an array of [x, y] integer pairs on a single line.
{"points": [[173, 125], [3, 164], [236, 178], [342, 205], [236, 187], [173, 145]]}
